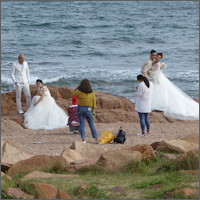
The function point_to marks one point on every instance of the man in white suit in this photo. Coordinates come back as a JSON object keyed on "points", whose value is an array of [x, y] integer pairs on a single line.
{"points": [[147, 66], [21, 78]]}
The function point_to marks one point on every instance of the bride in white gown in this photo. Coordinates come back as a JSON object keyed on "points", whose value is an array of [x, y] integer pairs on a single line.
{"points": [[170, 99], [44, 113]]}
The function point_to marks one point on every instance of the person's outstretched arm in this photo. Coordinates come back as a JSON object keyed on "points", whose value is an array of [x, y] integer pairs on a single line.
{"points": [[74, 92], [163, 65]]}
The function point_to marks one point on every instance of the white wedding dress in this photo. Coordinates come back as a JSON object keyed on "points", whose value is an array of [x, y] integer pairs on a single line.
{"points": [[170, 99], [46, 114]]}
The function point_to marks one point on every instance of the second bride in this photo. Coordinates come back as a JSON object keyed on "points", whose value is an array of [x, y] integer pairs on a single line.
{"points": [[170, 99], [44, 113]]}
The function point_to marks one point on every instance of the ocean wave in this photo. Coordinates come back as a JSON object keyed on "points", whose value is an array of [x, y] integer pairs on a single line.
{"points": [[119, 82], [125, 39], [46, 63], [76, 42], [96, 53], [102, 26], [82, 71], [192, 75], [30, 44], [6, 66], [74, 27], [154, 40], [5, 80], [41, 25], [177, 26], [107, 73]]}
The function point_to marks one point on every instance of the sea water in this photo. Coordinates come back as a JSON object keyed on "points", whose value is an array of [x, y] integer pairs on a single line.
{"points": [[106, 42]]}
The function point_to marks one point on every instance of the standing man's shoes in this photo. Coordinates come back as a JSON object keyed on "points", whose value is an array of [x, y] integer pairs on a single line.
{"points": [[20, 112]]}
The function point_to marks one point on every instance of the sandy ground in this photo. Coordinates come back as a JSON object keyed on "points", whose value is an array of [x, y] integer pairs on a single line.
{"points": [[53, 142]]}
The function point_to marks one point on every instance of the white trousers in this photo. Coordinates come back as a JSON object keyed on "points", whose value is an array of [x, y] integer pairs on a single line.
{"points": [[26, 90]]}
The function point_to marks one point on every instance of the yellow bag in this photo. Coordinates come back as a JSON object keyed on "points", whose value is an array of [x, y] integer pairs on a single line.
{"points": [[106, 137]]}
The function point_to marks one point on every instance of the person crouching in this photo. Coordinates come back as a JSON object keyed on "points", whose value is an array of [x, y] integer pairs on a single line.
{"points": [[73, 120]]}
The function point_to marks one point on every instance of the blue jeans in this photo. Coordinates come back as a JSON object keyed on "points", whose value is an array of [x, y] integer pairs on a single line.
{"points": [[84, 111], [144, 120]]}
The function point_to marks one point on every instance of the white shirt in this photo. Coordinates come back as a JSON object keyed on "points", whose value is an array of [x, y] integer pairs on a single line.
{"points": [[144, 96], [22, 65]]}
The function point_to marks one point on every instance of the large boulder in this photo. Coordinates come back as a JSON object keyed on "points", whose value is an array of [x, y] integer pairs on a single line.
{"points": [[39, 162], [146, 150], [112, 108], [10, 126], [115, 115], [48, 191], [65, 92], [17, 193], [11, 153], [109, 101], [8, 103], [176, 146], [53, 90], [155, 145], [115, 161], [80, 155], [169, 156]]}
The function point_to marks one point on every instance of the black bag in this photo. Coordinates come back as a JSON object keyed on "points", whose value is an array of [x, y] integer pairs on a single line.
{"points": [[121, 136]]}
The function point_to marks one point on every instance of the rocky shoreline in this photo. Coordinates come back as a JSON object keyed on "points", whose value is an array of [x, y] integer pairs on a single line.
{"points": [[110, 108], [112, 112], [32, 151]]}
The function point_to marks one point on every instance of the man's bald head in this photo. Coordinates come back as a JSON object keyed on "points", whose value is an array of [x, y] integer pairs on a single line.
{"points": [[21, 58]]}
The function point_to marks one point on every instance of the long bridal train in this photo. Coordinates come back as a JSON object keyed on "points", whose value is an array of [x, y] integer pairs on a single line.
{"points": [[170, 99]]}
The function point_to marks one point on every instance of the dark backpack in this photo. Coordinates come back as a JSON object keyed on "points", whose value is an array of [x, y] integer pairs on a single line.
{"points": [[120, 137]]}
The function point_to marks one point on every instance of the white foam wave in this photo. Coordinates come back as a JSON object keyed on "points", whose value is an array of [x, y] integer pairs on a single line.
{"points": [[98, 74], [6, 80]]}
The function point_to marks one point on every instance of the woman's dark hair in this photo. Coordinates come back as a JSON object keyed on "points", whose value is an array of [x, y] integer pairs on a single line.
{"points": [[140, 77], [153, 51], [85, 86], [161, 54], [39, 80]]}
